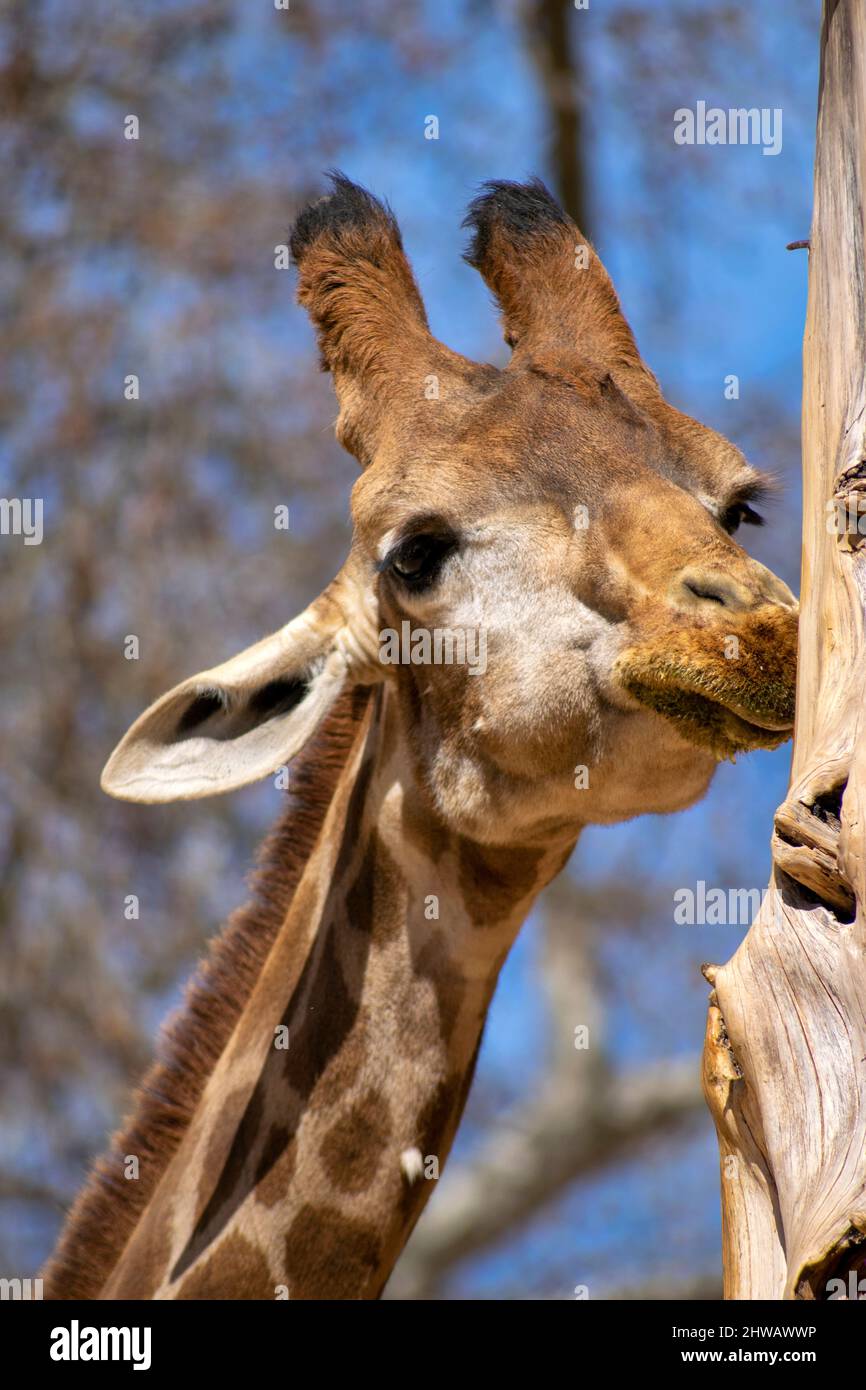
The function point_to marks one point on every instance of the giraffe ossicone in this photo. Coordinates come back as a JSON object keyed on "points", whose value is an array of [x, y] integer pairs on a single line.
{"points": [[641, 645]]}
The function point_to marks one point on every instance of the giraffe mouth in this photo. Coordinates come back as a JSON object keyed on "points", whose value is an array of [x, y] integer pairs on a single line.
{"points": [[724, 728], [746, 716], [727, 706]]}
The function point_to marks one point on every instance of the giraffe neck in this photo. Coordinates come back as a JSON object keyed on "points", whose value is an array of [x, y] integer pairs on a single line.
{"points": [[331, 1111]]}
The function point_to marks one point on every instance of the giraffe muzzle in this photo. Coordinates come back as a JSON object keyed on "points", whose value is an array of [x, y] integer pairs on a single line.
{"points": [[727, 685]]}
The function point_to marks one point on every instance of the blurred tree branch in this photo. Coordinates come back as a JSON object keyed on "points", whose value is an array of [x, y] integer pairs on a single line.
{"points": [[549, 29]]}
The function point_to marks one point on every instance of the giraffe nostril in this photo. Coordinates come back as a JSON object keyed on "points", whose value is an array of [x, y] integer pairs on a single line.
{"points": [[703, 591], [700, 585]]}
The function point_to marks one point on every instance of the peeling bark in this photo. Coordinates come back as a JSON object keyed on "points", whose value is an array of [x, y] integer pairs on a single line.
{"points": [[785, 1050]]}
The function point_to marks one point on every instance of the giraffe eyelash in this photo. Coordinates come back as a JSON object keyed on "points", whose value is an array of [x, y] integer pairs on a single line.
{"points": [[738, 514]]}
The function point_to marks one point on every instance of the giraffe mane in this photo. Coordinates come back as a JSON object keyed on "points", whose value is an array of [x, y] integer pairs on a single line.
{"points": [[191, 1042]]}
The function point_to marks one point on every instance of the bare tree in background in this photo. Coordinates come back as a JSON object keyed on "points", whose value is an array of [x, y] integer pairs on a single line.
{"points": [[156, 257]]}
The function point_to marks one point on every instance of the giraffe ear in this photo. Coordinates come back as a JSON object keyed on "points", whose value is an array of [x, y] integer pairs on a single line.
{"points": [[355, 281], [557, 300], [240, 721]]}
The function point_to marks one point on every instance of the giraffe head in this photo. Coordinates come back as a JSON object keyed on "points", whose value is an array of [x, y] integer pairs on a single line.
{"points": [[543, 566]]}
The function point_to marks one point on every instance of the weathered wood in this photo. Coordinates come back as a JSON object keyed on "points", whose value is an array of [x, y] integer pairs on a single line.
{"points": [[805, 845], [785, 1053]]}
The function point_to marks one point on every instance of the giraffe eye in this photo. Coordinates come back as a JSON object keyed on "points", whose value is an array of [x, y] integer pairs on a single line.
{"points": [[416, 562], [737, 514]]}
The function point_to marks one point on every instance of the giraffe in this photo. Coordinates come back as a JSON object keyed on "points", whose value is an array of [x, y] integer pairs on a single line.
{"points": [[308, 1093]]}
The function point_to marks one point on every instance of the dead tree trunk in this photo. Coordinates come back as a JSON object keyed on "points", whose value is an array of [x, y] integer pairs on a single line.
{"points": [[785, 1053]]}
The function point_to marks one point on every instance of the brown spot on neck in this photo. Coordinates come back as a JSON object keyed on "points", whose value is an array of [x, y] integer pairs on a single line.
{"points": [[329, 1255], [494, 880], [435, 964], [376, 899], [276, 1166], [354, 1146], [235, 1270]]}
